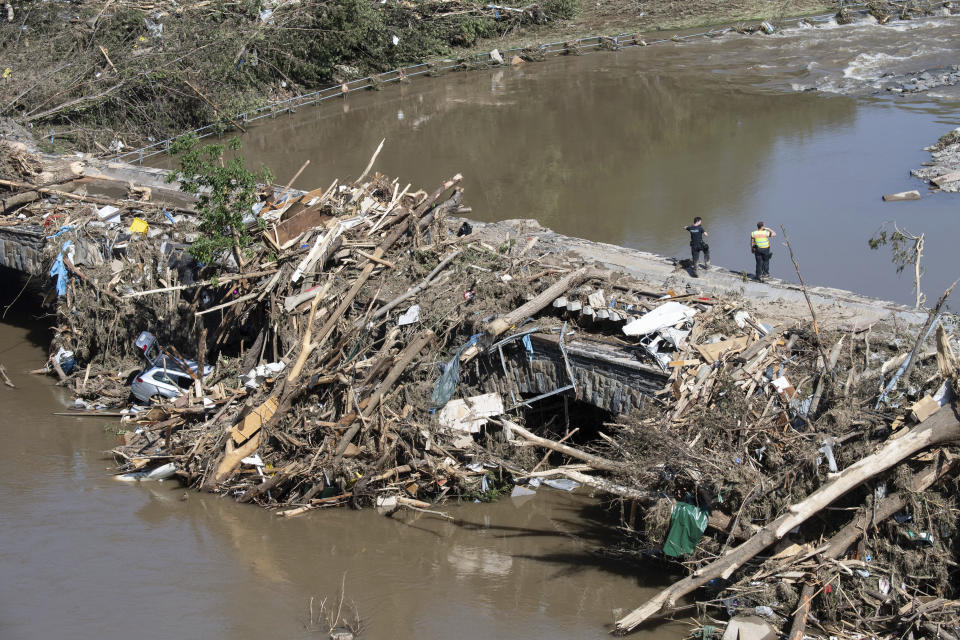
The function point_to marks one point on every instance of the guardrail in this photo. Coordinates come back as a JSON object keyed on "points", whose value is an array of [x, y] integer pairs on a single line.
{"points": [[478, 60]]}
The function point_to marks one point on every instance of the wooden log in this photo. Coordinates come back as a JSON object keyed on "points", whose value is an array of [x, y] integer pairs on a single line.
{"points": [[71, 196], [12, 202], [260, 489], [902, 196], [406, 356], [57, 174], [597, 462], [231, 459], [601, 484], [504, 322], [944, 426], [856, 528], [803, 610]]}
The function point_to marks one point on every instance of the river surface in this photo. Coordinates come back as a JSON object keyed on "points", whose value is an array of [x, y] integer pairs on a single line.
{"points": [[628, 147], [620, 147]]}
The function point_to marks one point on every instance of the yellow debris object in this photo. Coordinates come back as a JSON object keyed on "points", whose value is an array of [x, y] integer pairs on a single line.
{"points": [[139, 226], [7, 72]]}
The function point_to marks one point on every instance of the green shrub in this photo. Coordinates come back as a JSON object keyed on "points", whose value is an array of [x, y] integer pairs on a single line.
{"points": [[225, 192]]}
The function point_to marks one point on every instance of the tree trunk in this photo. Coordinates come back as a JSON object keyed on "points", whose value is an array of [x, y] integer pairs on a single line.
{"points": [[843, 539], [943, 426], [504, 322]]}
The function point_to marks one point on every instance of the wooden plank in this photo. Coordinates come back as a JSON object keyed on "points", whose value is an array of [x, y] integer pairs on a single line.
{"points": [[307, 219], [924, 408], [769, 339], [254, 420], [713, 351], [946, 178]]}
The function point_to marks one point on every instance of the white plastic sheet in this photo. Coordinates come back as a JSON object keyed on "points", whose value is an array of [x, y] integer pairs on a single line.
{"points": [[667, 314], [469, 414], [410, 316], [258, 375]]}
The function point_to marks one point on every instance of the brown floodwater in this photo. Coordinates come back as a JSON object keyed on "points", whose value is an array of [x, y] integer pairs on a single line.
{"points": [[628, 147], [85, 556]]}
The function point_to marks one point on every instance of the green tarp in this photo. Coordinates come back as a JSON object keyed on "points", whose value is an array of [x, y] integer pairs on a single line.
{"points": [[686, 528]]}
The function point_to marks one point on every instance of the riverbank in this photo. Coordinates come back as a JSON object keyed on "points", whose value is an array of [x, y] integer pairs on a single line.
{"points": [[943, 169], [121, 76]]}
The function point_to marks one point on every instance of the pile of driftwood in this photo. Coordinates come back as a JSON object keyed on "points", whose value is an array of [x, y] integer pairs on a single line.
{"points": [[347, 345]]}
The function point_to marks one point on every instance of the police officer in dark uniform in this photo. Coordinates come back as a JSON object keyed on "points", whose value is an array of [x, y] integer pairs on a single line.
{"points": [[697, 244]]}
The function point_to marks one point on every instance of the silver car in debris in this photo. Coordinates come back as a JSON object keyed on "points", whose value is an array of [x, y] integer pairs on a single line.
{"points": [[164, 376], [157, 382]]}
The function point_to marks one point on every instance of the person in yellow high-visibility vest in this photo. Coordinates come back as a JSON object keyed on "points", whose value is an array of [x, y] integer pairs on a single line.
{"points": [[760, 246]]}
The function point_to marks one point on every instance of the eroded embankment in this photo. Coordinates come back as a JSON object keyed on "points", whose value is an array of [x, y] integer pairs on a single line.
{"points": [[123, 75], [367, 348]]}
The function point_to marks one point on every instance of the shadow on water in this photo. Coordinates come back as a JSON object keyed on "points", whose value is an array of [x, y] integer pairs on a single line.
{"points": [[598, 543], [20, 298]]}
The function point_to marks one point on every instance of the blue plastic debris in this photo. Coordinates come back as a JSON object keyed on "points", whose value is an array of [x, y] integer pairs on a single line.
{"points": [[447, 384], [59, 270], [528, 346]]}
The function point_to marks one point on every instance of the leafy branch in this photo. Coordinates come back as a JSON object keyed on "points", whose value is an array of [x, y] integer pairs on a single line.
{"points": [[907, 250], [225, 192]]}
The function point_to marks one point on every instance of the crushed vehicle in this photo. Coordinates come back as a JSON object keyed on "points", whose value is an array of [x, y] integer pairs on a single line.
{"points": [[165, 375]]}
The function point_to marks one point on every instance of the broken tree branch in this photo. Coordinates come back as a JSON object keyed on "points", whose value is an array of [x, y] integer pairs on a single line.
{"points": [[803, 287], [601, 464], [842, 540], [943, 426]]}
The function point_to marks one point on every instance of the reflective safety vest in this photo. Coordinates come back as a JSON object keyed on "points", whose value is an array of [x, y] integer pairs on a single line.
{"points": [[761, 239]]}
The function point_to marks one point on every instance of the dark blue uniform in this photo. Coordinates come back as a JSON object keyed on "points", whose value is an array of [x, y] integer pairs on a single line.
{"points": [[697, 244]]}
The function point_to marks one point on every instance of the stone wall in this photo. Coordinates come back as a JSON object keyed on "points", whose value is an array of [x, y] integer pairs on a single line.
{"points": [[605, 376], [21, 248]]}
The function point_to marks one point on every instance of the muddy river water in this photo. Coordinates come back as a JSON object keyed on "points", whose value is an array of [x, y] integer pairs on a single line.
{"points": [[628, 147], [86, 556], [620, 147]]}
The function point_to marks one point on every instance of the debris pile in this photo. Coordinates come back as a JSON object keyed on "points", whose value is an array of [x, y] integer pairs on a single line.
{"points": [[943, 170], [370, 349]]}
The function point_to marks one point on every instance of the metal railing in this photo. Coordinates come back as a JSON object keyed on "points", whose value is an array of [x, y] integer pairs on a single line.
{"points": [[477, 60]]}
